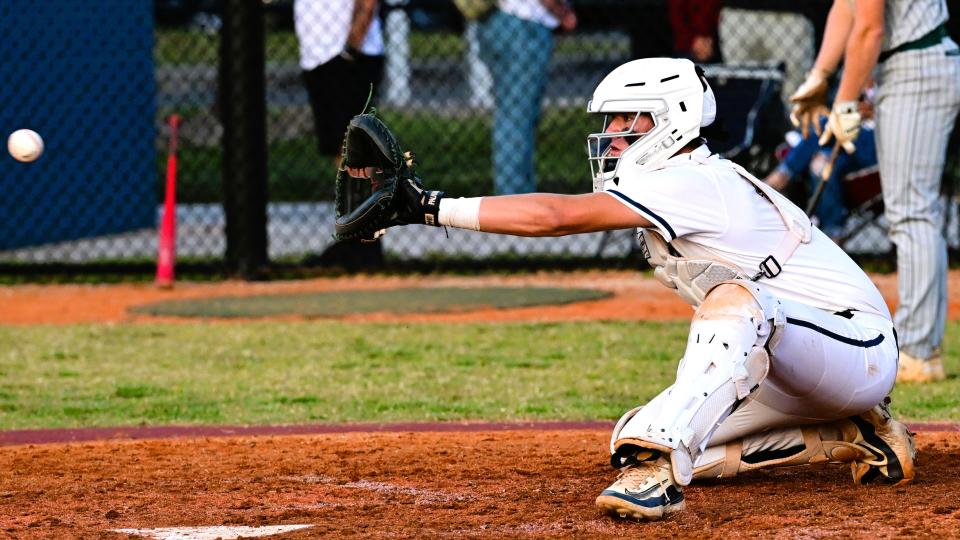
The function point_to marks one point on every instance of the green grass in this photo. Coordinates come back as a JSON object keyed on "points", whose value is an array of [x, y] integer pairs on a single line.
{"points": [[297, 172], [259, 373], [189, 46], [340, 303], [453, 151], [454, 148]]}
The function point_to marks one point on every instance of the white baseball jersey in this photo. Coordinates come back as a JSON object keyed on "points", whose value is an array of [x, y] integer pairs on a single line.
{"points": [[908, 20], [710, 212], [322, 27], [529, 10]]}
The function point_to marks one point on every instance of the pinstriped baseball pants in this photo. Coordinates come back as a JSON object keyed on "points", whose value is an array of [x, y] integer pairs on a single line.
{"points": [[917, 103]]}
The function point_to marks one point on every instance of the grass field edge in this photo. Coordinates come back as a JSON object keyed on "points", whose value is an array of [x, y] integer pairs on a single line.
{"points": [[78, 435]]}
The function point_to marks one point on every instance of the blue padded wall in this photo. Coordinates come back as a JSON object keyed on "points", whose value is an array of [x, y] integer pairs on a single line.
{"points": [[81, 74]]}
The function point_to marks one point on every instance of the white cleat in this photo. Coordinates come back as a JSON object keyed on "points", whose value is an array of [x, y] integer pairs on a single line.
{"points": [[645, 490]]}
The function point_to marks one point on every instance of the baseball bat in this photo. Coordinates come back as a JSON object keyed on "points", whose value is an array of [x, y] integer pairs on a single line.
{"points": [[824, 178], [167, 241]]}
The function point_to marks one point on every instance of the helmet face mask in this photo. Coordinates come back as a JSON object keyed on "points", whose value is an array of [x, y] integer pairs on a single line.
{"points": [[672, 93], [601, 152]]}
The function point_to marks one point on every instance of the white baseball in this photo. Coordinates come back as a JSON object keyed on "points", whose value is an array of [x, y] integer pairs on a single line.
{"points": [[25, 145]]}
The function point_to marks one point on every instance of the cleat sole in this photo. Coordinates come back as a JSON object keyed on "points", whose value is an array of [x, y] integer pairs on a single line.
{"points": [[624, 510]]}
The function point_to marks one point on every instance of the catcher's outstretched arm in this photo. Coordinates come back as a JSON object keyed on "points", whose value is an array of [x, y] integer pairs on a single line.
{"points": [[541, 214], [372, 156]]}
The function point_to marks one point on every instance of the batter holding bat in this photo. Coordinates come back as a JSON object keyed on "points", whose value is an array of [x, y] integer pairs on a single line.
{"points": [[791, 351], [916, 105]]}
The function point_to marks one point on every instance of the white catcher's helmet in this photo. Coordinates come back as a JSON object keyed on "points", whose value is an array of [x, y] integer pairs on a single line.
{"points": [[675, 94]]}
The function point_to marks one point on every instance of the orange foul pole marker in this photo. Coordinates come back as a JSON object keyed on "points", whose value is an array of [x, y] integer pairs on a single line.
{"points": [[167, 241]]}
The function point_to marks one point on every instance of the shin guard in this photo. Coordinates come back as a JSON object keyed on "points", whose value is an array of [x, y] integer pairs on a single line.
{"points": [[725, 360]]}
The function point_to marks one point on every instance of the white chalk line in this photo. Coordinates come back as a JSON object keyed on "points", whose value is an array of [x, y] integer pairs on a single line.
{"points": [[421, 495], [212, 532]]}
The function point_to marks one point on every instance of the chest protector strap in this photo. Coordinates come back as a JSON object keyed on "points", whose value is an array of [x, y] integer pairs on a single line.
{"points": [[693, 278]]}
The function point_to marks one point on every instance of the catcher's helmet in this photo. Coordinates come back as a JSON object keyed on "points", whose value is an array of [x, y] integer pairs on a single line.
{"points": [[676, 95]]}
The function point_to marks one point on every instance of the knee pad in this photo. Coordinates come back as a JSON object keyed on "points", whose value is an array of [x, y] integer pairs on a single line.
{"points": [[725, 360]]}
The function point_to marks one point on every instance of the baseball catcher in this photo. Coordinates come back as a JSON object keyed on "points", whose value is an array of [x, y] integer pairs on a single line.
{"points": [[791, 351]]}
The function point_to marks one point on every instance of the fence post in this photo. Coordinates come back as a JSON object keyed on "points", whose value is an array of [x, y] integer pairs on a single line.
{"points": [[242, 104], [479, 79], [398, 70]]}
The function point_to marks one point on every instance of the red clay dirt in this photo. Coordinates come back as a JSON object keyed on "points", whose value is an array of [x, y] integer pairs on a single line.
{"points": [[535, 481], [412, 485], [636, 296]]}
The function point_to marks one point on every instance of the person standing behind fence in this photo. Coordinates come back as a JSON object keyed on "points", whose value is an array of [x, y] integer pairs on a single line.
{"points": [[516, 42], [694, 24], [341, 55], [917, 102]]}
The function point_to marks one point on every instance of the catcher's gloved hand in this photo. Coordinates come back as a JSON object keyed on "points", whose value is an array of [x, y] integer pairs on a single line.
{"points": [[843, 124], [810, 102], [416, 205], [393, 195]]}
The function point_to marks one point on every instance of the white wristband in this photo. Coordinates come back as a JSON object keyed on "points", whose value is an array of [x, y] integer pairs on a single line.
{"points": [[463, 213]]}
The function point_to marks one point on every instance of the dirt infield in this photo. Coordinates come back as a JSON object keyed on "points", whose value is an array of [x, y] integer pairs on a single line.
{"points": [[636, 296], [416, 481], [528, 483]]}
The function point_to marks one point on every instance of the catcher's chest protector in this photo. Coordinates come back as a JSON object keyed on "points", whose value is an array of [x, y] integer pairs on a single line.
{"points": [[694, 278], [691, 278]]}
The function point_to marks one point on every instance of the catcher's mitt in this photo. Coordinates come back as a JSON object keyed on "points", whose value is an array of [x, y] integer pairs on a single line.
{"points": [[376, 187]]}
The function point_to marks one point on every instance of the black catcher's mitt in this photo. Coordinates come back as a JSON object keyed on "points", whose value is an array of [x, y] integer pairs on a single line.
{"points": [[376, 187]]}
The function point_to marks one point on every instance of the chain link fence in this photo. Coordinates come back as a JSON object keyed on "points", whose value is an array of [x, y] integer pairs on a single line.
{"points": [[491, 105]]}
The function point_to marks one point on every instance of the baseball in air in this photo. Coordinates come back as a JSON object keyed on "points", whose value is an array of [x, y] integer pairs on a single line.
{"points": [[25, 145]]}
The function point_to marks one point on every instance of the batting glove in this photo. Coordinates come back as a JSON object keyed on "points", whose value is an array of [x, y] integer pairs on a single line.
{"points": [[810, 102], [843, 124]]}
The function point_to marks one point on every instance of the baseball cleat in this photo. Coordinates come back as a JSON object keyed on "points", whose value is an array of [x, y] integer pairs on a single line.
{"points": [[891, 448], [918, 370], [644, 490]]}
